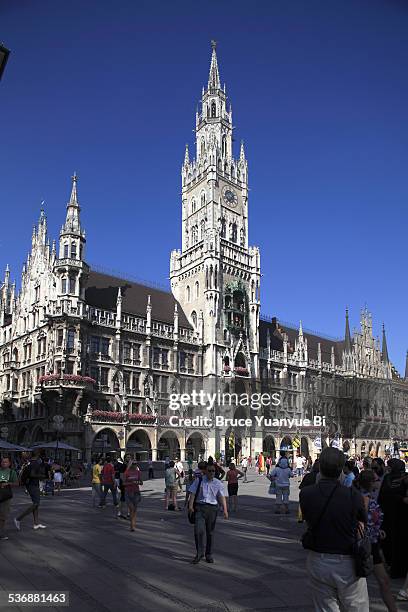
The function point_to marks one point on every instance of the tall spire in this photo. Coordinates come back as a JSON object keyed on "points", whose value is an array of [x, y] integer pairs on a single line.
{"points": [[406, 367], [347, 335], [214, 76], [186, 156], [384, 352], [73, 201], [72, 222]]}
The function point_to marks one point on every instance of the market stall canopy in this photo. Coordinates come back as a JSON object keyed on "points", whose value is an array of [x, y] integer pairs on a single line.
{"points": [[56, 446], [4, 445]]}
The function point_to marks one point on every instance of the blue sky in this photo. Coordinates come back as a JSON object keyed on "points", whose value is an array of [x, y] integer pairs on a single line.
{"points": [[319, 93]]}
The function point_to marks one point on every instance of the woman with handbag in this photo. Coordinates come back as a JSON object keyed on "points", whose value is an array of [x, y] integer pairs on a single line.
{"points": [[366, 484], [8, 479]]}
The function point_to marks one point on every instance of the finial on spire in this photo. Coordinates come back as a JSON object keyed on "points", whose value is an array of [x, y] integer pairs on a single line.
{"points": [[214, 76], [74, 195], [347, 335]]}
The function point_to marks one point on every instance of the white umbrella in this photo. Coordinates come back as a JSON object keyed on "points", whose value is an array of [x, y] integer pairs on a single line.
{"points": [[4, 445], [55, 445]]}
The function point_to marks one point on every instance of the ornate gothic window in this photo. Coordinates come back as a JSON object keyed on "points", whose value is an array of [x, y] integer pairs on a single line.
{"points": [[203, 198], [224, 146], [66, 251], [202, 147], [223, 228], [233, 232], [213, 110], [72, 284], [63, 285], [188, 293], [197, 289], [73, 250], [193, 205], [194, 318]]}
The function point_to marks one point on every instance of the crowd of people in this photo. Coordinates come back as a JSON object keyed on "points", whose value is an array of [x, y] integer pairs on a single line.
{"points": [[344, 502]]}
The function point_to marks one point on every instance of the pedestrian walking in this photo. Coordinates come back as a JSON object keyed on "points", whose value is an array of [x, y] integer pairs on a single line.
{"points": [[333, 513], [57, 477], [8, 480], [108, 483], [232, 477], [244, 465], [299, 464], [120, 468], [308, 479], [170, 479], [349, 476], [268, 464], [96, 482], [281, 475], [180, 473], [205, 494], [366, 482], [132, 479], [188, 482], [151, 470], [31, 475]]}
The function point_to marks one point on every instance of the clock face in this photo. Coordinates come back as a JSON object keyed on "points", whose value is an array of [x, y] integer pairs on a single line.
{"points": [[229, 196]]}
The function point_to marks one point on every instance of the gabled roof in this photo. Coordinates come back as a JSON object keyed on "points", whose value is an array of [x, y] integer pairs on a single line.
{"points": [[102, 292]]}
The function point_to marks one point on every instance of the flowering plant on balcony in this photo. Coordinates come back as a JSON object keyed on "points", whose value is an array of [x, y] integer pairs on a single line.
{"points": [[142, 418], [108, 415], [48, 377], [227, 368], [78, 378], [241, 371]]}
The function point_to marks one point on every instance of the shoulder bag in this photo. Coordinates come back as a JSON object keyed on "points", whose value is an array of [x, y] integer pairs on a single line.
{"points": [[308, 538], [192, 515]]}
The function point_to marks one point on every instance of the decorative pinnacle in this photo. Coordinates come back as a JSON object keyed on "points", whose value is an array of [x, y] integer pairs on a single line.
{"points": [[74, 196], [214, 77], [213, 45]]}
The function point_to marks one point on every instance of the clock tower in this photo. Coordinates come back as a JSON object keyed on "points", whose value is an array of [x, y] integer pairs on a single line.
{"points": [[216, 276]]}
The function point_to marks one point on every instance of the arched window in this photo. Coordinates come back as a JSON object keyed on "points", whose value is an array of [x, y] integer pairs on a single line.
{"points": [[73, 250], [70, 338], [66, 251], [223, 228], [202, 147], [72, 284], [219, 164], [194, 318], [197, 289], [213, 110], [233, 232], [203, 198], [224, 145], [64, 285], [193, 205], [188, 293], [202, 228]]}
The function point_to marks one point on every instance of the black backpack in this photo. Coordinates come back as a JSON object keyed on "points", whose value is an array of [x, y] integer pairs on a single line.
{"points": [[38, 469]]}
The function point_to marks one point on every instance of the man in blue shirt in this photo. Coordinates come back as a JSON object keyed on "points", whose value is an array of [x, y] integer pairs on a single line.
{"points": [[208, 491]]}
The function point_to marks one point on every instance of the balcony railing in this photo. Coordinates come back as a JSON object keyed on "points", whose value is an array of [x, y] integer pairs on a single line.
{"points": [[53, 381]]}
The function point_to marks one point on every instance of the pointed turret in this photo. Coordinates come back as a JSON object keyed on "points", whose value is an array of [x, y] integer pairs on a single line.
{"points": [[300, 330], [384, 352], [186, 156], [242, 152], [347, 335], [214, 76], [72, 223]]}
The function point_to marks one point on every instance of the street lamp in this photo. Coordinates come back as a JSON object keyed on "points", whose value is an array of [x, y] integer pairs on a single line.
{"points": [[4, 54], [58, 425]]}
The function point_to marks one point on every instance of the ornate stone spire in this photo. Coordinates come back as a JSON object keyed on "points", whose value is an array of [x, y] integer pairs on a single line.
{"points": [[406, 367], [72, 222], [242, 152], [384, 352], [214, 76], [73, 200], [186, 156], [347, 335]]}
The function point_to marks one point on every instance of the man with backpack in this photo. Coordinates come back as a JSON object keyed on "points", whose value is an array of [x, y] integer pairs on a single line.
{"points": [[33, 472]]}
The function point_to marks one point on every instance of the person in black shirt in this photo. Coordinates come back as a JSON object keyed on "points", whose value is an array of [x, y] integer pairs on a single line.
{"points": [[332, 513], [38, 469]]}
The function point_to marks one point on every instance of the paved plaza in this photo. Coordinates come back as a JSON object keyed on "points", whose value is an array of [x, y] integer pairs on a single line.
{"points": [[259, 562]]}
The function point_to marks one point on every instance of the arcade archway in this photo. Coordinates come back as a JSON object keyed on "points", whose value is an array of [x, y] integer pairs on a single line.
{"points": [[138, 445], [105, 441], [268, 447], [195, 446], [168, 446]]}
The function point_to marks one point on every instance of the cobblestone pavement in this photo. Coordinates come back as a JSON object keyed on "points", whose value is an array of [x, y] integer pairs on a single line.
{"points": [[259, 562]]}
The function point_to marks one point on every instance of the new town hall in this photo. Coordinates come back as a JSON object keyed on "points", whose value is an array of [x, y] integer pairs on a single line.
{"points": [[106, 353]]}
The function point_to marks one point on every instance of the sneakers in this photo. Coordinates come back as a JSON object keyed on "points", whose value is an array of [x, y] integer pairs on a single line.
{"points": [[402, 595], [39, 526], [197, 559], [2, 538], [209, 559], [17, 524]]}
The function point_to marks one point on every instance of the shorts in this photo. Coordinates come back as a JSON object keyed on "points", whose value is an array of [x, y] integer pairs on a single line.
{"points": [[376, 553], [233, 489], [34, 493], [5, 509], [173, 489], [133, 499]]}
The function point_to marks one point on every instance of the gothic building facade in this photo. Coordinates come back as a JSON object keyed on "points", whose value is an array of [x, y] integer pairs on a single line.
{"points": [[106, 353]]}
